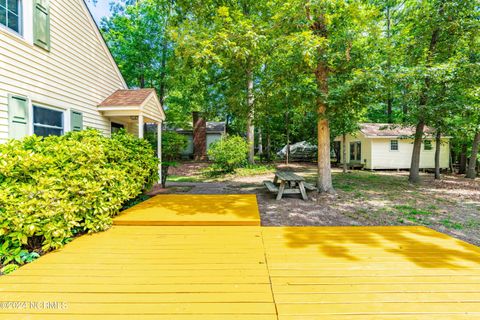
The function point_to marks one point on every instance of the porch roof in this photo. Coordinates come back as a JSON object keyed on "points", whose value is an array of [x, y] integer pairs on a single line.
{"points": [[133, 103]]}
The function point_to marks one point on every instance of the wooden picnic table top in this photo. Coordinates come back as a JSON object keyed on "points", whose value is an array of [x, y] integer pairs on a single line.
{"points": [[288, 176]]}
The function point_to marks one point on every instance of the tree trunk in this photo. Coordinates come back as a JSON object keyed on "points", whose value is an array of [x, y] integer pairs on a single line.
{"points": [[163, 73], [268, 148], [344, 152], [260, 142], [417, 145], [462, 167], [414, 176], [324, 180], [389, 70], [165, 168], [250, 115], [390, 109], [438, 143], [287, 133], [472, 165]]}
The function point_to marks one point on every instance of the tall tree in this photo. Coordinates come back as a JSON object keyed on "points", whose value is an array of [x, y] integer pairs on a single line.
{"points": [[434, 27], [328, 36], [227, 37]]}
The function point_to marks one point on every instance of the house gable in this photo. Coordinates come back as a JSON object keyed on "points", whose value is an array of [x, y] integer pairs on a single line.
{"points": [[75, 73], [102, 42]]}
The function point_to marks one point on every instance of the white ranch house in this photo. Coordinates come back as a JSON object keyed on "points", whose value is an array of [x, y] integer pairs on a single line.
{"points": [[58, 75], [378, 146]]}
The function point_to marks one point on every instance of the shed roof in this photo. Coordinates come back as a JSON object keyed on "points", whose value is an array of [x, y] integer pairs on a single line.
{"points": [[390, 130], [127, 98], [133, 103]]}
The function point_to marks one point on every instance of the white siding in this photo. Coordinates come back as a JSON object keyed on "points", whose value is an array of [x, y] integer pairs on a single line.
{"points": [[151, 109], [78, 72], [384, 158], [366, 149]]}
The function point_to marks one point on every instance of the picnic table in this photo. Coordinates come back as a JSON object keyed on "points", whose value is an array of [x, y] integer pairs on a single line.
{"points": [[286, 182]]}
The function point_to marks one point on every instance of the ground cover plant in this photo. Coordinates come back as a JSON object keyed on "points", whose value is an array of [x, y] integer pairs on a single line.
{"points": [[54, 188]]}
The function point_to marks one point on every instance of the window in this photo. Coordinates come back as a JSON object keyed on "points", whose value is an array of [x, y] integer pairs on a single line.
{"points": [[47, 122], [10, 14], [117, 127], [356, 151], [393, 145], [427, 145]]}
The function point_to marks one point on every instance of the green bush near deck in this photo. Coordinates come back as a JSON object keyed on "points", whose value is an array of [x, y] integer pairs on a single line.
{"points": [[228, 153], [52, 188]]}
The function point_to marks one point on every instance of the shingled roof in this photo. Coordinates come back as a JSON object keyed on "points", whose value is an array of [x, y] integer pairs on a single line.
{"points": [[390, 130], [127, 98]]}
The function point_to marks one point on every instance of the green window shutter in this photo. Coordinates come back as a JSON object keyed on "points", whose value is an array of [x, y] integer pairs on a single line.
{"points": [[41, 24], [18, 117], [76, 120]]}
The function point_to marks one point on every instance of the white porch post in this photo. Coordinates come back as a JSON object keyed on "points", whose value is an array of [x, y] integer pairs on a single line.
{"points": [[140, 126], [159, 149]]}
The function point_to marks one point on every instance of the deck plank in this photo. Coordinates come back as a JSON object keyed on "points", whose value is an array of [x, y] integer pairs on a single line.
{"points": [[188, 210], [371, 273], [93, 276], [135, 271]]}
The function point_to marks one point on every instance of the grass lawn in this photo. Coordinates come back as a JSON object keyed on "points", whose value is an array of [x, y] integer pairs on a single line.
{"points": [[451, 205]]}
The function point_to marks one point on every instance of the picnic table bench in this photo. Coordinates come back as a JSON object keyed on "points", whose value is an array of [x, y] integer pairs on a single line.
{"points": [[286, 182]]}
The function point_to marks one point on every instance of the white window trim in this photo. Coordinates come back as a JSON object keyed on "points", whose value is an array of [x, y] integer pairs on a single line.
{"points": [[26, 23], [390, 145], [66, 116]]}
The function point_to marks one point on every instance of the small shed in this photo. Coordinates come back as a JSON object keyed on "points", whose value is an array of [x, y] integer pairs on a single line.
{"points": [[378, 146]]}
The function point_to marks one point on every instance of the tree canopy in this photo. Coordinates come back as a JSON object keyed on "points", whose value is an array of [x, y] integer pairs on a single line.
{"points": [[284, 71]]}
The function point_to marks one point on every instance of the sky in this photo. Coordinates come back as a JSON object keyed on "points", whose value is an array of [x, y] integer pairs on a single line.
{"points": [[101, 9]]}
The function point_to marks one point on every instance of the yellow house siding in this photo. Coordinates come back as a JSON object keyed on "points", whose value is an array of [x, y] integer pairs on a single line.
{"points": [[77, 73], [384, 158], [366, 148], [379, 156]]}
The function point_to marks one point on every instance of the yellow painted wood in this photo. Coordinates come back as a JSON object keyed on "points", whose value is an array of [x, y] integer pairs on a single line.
{"points": [[378, 297], [248, 272], [210, 279], [359, 308], [371, 273], [84, 316], [163, 308], [199, 210], [384, 316]]}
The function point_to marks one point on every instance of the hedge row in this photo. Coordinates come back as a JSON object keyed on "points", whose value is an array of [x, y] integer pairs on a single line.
{"points": [[53, 188]]}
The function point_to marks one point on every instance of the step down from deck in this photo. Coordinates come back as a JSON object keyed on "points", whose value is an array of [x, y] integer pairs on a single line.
{"points": [[193, 210]]}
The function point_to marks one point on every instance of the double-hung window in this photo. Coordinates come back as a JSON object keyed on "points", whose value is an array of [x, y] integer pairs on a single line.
{"points": [[11, 14], [393, 145], [48, 122]]}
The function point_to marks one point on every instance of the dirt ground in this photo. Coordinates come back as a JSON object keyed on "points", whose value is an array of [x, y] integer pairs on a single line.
{"points": [[450, 205]]}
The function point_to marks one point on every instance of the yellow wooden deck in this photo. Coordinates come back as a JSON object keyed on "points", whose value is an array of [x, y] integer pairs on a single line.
{"points": [[252, 272], [372, 273], [188, 210], [149, 273]]}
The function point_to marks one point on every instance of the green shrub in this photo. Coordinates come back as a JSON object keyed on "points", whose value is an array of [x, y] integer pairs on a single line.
{"points": [[228, 153], [172, 146], [52, 188]]}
